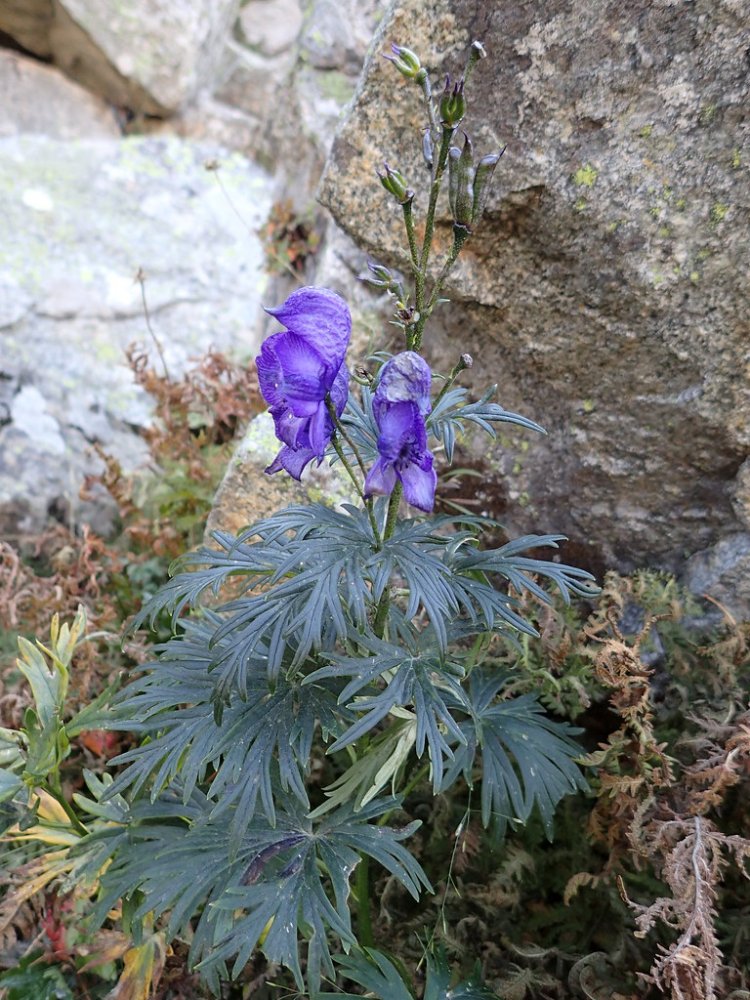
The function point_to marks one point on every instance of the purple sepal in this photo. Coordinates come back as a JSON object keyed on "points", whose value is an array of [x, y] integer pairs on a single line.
{"points": [[406, 378], [298, 368], [400, 403], [321, 317]]}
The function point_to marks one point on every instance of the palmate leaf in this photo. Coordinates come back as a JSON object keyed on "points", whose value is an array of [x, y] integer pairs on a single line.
{"points": [[415, 675], [361, 427], [452, 412], [264, 740], [527, 758], [449, 577], [188, 583], [292, 543], [519, 570], [285, 882], [383, 979], [316, 567], [379, 766]]}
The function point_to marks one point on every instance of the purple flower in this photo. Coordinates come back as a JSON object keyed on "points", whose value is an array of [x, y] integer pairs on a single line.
{"points": [[298, 368], [400, 404]]}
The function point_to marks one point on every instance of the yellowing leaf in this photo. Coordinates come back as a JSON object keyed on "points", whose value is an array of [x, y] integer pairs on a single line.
{"points": [[50, 809], [143, 968]]}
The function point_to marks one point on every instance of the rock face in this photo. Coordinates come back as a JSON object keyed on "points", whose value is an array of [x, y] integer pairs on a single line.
{"points": [[247, 494], [80, 218], [85, 208], [606, 289], [38, 100], [149, 55]]}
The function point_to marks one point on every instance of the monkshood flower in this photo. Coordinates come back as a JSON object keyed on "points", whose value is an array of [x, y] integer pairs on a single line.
{"points": [[298, 368], [400, 405]]}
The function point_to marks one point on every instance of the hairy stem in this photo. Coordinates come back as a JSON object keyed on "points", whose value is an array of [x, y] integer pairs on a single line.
{"points": [[412, 238], [424, 83], [460, 236], [422, 311]]}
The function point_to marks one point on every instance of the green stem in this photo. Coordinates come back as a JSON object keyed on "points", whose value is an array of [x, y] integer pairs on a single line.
{"points": [[55, 790], [424, 83], [390, 523], [460, 236], [367, 503], [343, 432], [417, 779], [422, 312], [460, 365], [411, 236], [340, 429], [419, 275], [362, 891]]}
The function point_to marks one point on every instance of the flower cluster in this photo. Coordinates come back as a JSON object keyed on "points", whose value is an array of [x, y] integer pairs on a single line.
{"points": [[301, 369]]}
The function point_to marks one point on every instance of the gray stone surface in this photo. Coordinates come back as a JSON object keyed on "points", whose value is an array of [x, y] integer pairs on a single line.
{"points": [[270, 27], [247, 494], [337, 33], [150, 55], [37, 99], [79, 220], [606, 291], [723, 573]]}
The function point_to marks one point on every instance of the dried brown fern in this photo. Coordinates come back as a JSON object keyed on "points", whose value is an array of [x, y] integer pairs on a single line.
{"points": [[695, 856], [632, 763], [650, 811]]}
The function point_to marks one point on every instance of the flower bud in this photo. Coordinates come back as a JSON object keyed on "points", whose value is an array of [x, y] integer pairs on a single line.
{"points": [[483, 176], [427, 147], [405, 61], [453, 156], [394, 183], [452, 104], [464, 170], [380, 276]]}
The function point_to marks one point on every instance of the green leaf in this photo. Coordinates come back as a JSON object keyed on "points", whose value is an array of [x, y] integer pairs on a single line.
{"points": [[47, 686], [379, 976], [37, 981], [378, 766], [285, 883], [527, 758], [10, 784], [415, 674], [375, 972], [449, 416], [263, 744]]}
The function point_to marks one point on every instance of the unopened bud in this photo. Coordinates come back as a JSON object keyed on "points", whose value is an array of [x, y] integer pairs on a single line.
{"points": [[379, 275], [467, 360], [478, 50], [394, 183], [452, 104], [427, 147], [464, 168], [483, 176], [405, 61]]}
